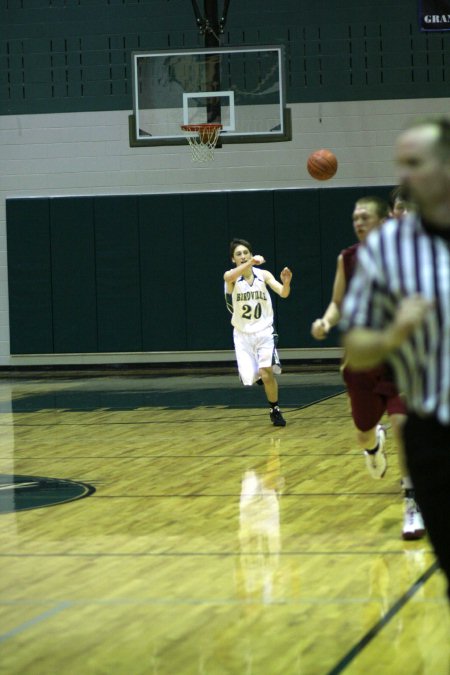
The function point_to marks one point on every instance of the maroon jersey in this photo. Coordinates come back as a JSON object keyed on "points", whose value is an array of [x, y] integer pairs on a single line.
{"points": [[349, 260], [379, 378]]}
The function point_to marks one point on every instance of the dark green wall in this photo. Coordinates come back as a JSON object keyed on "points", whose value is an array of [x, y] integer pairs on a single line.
{"points": [[144, 272], [74, 55]]}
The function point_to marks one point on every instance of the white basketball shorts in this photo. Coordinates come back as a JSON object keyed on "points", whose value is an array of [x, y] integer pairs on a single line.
{"points": [[254, 351]]}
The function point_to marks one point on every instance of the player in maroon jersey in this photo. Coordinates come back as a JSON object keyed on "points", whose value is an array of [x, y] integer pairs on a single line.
{"points": [[372, 392]]}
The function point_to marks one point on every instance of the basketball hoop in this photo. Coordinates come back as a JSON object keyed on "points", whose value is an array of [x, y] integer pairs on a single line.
{"points": [[203, 139]]}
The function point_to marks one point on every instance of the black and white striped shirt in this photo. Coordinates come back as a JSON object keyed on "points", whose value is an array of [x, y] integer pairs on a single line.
{"points": [[400, 259]]}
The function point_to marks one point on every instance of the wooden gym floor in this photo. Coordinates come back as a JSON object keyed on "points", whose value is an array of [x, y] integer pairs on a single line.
{"points": [[213, 543]]}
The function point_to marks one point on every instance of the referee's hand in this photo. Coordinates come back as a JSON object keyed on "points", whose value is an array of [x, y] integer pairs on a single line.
{"points": [[411, 313]]}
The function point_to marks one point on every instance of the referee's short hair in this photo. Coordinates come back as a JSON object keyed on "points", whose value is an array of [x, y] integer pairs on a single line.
{"points": [[442, 124], [443, 144]]}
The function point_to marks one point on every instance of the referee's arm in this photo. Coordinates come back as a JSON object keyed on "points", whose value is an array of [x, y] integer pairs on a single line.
{"points": [[367, 347]]}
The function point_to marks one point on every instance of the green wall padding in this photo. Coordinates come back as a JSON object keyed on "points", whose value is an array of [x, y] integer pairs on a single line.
{"points": [[163, 297], [73, 275], [145, 273], [29, 276], [205, 237], [298, 245], [118, 274], [251, 218]]}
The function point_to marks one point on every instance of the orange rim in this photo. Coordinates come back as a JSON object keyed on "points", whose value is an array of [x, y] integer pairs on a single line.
{"points": [[195, 127], [200, 127]]}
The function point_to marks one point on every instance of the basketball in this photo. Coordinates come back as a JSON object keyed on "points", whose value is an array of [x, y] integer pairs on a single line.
{"points": [[322, 164]]}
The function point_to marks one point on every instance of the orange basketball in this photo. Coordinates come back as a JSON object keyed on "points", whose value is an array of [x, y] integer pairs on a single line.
{"points": [[322, 164]]}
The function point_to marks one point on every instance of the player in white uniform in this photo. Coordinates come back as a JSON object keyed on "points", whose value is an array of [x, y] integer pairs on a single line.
{"points": [[251, 307]]}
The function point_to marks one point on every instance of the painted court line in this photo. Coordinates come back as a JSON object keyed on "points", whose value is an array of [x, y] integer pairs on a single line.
{"points": [[373, 632], [33, 622]]}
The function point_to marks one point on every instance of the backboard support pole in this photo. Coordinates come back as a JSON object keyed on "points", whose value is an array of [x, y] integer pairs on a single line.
{"points": [[212, 65], [198, 16]]}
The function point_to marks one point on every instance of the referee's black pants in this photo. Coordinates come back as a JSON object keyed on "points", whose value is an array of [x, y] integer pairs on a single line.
{"points": [[427, 447]]}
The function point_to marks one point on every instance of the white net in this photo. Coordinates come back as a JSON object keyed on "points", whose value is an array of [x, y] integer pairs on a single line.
{"points": [[203, 139]]}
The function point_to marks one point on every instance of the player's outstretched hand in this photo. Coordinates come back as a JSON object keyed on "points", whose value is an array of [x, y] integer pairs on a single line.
{"points": [[320, 329], [258, 260], [286, 275]]}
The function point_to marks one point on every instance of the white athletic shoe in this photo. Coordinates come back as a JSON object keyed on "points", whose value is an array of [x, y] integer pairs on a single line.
{"points": [[413, 525], [377, 463]]}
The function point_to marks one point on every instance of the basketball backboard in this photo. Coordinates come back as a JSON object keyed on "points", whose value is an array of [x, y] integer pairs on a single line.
{"points": [[241, 88]]}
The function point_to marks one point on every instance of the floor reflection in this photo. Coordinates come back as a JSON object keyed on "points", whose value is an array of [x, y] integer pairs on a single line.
{"points": [[259, 527]]}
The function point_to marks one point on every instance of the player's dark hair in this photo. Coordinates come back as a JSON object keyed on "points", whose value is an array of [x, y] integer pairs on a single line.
{"points": [[381, 205], [399, 192], [239, 242]]}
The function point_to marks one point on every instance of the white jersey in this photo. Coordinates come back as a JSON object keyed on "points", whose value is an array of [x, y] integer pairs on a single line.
{"points": [[251, 304]]}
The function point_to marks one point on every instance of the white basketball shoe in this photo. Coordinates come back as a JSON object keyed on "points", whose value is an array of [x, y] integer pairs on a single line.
{"points": [[376, 462]]}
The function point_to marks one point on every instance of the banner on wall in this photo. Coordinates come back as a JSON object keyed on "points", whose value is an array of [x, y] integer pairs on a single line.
{"points": [[434, 14]]}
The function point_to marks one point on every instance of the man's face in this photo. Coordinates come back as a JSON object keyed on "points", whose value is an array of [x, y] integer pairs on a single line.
{"points": [[421, 170], [241, 254], [365, 218], [400, 208]]}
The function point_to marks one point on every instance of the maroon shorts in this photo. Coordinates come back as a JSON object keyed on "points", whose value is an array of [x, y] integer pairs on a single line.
{"points": [[372, 393]]}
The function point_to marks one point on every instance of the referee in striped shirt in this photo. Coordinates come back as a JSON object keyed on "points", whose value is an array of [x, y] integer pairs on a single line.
{"points": [[398, 309]]}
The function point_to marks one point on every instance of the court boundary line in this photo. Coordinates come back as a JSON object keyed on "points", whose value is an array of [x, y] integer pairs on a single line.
{"points": [[373, 632], [195, 495], [196, 554]]}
